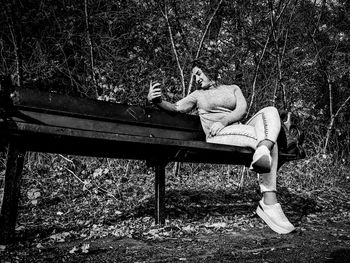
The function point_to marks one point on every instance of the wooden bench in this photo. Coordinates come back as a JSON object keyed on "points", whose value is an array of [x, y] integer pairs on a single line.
{"points": [[31, 120]]}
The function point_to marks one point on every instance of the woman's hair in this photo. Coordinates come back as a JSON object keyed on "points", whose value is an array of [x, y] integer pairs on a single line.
{"points": [[208, 65]]}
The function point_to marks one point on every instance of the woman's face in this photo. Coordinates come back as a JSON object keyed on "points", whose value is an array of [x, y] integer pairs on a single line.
{"points": [[200, 78]]}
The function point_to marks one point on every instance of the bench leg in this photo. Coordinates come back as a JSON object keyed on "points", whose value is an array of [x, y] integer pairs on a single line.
{"points": [[9, 193], [159, 184]]}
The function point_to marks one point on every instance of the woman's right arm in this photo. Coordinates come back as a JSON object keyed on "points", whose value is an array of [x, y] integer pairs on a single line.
{"points": [[184, 105], [155, 96]]}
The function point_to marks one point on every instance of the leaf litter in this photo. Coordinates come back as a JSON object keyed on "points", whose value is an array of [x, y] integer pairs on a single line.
{"points": [[195, 214]]}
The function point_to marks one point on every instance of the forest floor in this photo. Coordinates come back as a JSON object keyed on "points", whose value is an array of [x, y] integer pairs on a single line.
{"points": [[215, 224]]}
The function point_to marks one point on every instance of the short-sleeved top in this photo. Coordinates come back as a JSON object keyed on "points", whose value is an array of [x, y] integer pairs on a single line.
{"points": [[212, 104]]}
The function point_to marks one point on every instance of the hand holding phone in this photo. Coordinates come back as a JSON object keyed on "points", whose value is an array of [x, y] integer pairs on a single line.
{"points": [[154, 93]]}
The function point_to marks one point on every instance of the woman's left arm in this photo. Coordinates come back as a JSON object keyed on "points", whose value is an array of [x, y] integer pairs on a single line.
{"points": [[236, 115], [240, 110]]}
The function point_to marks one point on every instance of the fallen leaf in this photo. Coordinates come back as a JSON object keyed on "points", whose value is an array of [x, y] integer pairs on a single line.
{"points": [[73, 250], [60, 237], [118, 213], [33, 193], [153, 232], [97, 173], [85, 248], [20, 228], [39, 246], [188, 228], [218, 225]]}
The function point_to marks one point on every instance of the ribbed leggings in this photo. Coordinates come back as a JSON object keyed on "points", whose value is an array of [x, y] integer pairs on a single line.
{"points": [[265, 124]]}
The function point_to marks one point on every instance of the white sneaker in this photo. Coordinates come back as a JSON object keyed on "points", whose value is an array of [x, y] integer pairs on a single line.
{"points": [[274, 217], [261, 160]]}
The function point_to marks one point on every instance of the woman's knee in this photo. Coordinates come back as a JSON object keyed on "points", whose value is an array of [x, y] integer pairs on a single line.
{"points": [[273, 115], [271, 110]]}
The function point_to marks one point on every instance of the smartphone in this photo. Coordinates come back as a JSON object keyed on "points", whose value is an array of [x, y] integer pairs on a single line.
{"points": [[157, 100]]}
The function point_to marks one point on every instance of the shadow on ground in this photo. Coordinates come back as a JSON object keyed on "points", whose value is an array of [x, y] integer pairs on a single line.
{"points": [[197, 204], [192, 205], [339, 256]]}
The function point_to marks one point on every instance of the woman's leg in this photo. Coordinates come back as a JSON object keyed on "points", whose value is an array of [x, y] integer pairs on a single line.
{"points": [[267, 181], [244, 135], [267, 126], [236, 135], [262, 129], [269, 209]]}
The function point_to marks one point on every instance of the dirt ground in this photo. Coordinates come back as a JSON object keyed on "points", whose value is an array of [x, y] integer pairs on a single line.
{"points": [[314, 243], [228, 231]]}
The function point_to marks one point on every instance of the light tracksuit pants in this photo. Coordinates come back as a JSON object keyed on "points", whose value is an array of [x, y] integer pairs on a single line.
{"points": [[265, 124]]}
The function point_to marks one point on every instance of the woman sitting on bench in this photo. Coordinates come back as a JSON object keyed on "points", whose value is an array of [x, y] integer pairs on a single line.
{"points": [[221, 108]]}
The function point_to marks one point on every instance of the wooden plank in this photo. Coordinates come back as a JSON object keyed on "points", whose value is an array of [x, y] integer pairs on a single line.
{"points": [[92, 109], [10, 195], [104, 126], [58, 131]]}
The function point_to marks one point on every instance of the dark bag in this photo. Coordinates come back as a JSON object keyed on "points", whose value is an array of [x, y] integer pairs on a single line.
{"points": [[291, 137]]}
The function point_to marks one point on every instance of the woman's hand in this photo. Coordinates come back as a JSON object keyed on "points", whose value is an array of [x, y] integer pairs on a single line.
{"points": [[154, 93], [216, 128]]}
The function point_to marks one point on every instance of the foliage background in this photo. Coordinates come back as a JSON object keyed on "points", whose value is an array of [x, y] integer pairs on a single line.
{"points": [[287, 53]]}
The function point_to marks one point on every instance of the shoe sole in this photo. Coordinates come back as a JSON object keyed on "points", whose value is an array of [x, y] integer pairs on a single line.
{"points": [[262, 165], [272, 225]]}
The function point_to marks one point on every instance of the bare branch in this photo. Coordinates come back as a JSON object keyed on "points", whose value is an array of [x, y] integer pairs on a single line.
{"points": [[202, 41], [341, 107], [330, 90], [276, 26], [282, 11], [76, 177], [180, 28], [65, 158], [207, 28], [256, 75], [84, 183], [15, 31], [333, 116], [165, 14], [89, 42]]}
